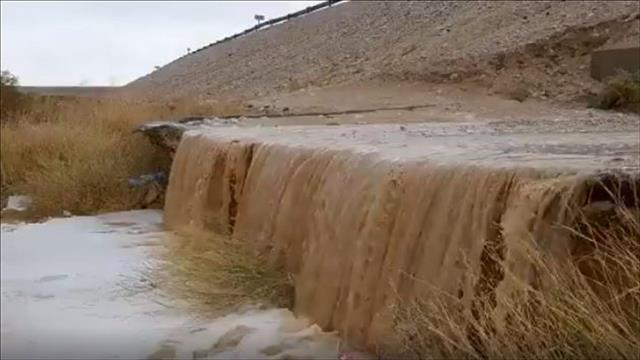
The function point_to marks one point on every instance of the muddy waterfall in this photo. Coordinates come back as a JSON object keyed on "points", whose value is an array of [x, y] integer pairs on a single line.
{"points": [[357, 231]]}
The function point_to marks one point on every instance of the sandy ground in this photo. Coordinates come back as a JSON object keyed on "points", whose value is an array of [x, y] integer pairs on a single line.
{"points": [[374, 102], [75, 288]]}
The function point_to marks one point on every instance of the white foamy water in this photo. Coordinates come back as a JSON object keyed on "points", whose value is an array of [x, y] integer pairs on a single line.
{"points": [[72, 288]]}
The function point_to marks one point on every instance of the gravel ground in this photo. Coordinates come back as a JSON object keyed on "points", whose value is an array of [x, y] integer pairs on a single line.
{"points": [[541, 47]]}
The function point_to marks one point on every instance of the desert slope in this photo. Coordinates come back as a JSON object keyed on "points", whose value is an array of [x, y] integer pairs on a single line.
{"points": [[542, 46]]}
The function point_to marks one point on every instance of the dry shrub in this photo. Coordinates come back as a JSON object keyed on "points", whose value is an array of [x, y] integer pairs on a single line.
{"points": [[620, 92], [11, 100], [75, 154], [215, 272], [585, 308], [520, 93]]}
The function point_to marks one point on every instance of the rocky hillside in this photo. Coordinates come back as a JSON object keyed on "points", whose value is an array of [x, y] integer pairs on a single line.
{"points": [[539, 47]]}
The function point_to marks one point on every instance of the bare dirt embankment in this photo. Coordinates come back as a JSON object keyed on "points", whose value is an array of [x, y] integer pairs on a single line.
{"points": [[540, 47]]}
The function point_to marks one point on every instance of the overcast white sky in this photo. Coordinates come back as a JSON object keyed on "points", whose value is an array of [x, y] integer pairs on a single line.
{"points": [[112, 43]]}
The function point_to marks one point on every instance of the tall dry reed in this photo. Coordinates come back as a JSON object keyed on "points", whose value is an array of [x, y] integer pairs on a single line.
{"points": [[214, 273], [75, 154], [586, 307]]}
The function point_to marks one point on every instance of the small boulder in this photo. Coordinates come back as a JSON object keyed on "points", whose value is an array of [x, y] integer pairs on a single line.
{"points": [[231, 338]]}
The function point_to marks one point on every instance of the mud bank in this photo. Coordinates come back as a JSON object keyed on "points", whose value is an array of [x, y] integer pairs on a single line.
{"points": [[362, 216]]}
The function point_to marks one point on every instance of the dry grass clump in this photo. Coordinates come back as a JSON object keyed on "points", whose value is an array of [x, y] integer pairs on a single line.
{"points": [[215, 272], [587, 308], [66, 167], [75, 154], [621, 92]]}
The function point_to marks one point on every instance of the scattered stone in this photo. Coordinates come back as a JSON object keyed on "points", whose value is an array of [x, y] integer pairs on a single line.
{"points": [[200, 354], [153, 194], [190, 119], [43, 296], [231, 338], [165, 352], [196, 330], [52, 278], [288, 357], [272, 350], [142, 180], [332, 123], [519, 94]]}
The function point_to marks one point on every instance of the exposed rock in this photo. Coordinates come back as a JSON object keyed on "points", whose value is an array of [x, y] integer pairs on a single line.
{"points": [[272, 350], [165, 352], [159, 178], [232, 338], [200, 354], [164, 135], [154, 186]]}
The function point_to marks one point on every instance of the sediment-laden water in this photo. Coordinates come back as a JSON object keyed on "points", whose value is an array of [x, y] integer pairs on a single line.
{"points": [[363, 216]]}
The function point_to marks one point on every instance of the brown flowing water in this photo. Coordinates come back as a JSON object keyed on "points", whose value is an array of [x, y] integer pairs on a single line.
{"points": [[361, 216]]}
